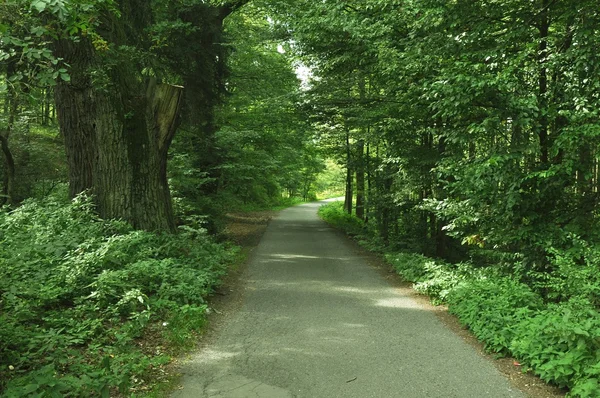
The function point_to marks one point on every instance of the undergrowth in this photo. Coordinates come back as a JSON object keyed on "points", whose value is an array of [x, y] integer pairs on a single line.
{"points": [[335, 215], [557, 340], [91, 307]]}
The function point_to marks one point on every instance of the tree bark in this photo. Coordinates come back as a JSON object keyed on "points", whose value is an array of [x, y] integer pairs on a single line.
{"points": [[12, 106], [349, 193], [77, 106], [368, 165], [117, 139], [9, 172], [360, 180]]}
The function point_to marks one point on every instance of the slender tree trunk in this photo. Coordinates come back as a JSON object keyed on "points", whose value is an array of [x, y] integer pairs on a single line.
{"points": [[42, 113], [12, 106], [369, 183], [9, 172], [348, 198], [426, 188], [47, 105], [360, 180], [386, 207], [360, 149], [441, 241]]}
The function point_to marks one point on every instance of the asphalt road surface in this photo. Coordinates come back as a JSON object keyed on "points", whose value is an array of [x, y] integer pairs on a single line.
{"points": [[318, 321]]}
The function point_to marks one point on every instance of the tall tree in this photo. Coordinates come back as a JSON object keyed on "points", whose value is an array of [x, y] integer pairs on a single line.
{"points": [[118, 113]]}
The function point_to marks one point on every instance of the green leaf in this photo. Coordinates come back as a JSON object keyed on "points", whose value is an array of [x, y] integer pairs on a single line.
{"points": [[39, 5], [65, 77]]}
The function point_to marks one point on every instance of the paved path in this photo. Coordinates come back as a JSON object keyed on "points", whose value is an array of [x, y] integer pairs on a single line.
{"points": [[317, 321]]}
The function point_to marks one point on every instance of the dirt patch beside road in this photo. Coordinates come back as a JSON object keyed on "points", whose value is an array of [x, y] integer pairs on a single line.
{"points": [[246, 229]]}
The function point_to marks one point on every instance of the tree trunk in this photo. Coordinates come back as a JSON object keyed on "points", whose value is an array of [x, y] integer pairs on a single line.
{"points": [[117, 139], [369, 183], [386, 205], [349, 193], [47, 105], [438, 224], [360, 180], [9, 172], [77, 111], [360, 149], [134, 169], [12, 106]]}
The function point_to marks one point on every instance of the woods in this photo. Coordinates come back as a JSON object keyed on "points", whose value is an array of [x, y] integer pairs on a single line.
{"points": [[474, 123], [467, 132]]}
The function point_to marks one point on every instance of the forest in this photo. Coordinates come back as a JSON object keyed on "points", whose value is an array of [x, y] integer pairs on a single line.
{"points": [[463, 135]]}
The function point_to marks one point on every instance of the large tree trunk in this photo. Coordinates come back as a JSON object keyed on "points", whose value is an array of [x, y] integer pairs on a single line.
{"points": [[76, 105], [130, 176], [116, 141], [117, 124]]}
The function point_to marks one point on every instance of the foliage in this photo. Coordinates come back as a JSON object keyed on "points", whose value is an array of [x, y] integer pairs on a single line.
{"points": [[562, 345], [492, 308], [468, 131], [434, 278], [78, 292], [257, 149], [334, 214], [40, 159]]}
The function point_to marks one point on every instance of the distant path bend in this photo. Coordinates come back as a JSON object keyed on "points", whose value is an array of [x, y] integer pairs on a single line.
{"points": [[318, 322]]}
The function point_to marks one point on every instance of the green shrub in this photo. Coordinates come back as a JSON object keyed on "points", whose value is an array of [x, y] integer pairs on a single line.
{"points": [[562, 345], [442, 279], [411, 266], [334, 214], [433, 278], [76, 292], [492, 309]]}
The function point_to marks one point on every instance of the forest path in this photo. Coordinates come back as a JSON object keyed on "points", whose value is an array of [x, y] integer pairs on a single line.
{"points": [[317, 321]]}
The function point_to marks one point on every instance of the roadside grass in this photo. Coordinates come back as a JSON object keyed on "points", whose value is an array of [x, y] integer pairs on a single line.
{"points": [[557, 341]]}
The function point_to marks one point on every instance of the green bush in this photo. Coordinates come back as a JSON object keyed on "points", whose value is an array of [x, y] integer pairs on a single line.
{"points": [[433, 278], [562, 345], [76, 292], [334, 214], [411, 266], [492, 309]]}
